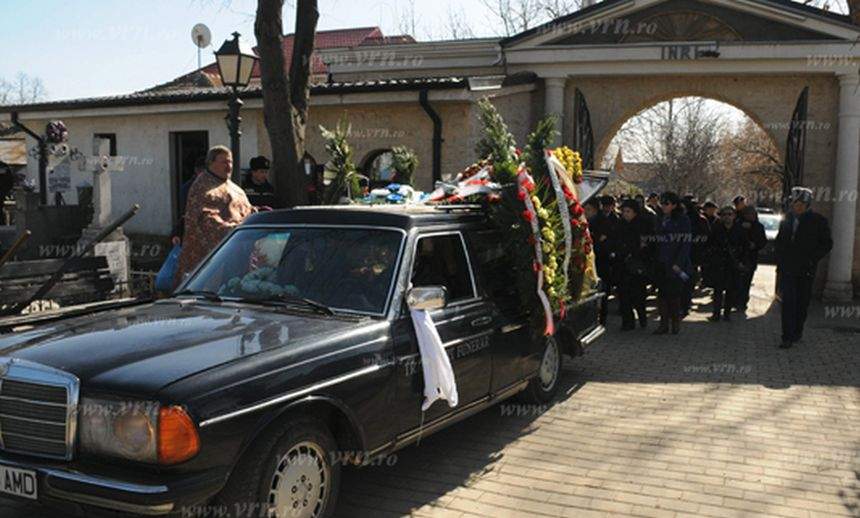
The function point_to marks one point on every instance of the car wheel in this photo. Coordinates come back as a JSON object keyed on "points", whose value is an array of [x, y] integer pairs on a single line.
{"points": [[289, 474], [543, 387]]}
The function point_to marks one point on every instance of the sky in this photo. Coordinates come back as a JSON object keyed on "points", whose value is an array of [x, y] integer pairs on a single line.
{"points": [[86, 48]]}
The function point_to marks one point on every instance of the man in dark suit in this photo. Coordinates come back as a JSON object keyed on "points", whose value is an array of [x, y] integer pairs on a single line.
{"points": [[804, 239], [604, 231], [756, 241], [257, 186]]}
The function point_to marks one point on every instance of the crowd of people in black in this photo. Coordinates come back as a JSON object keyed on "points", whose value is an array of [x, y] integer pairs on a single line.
{"points": [[676, 245]]}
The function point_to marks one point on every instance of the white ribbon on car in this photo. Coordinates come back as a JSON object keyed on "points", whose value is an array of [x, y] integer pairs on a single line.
{"points": [[439, 382]]}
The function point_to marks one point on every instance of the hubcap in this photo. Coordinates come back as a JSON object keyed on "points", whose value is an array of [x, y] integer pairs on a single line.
{"points": [[300, 484], [549, 365]]}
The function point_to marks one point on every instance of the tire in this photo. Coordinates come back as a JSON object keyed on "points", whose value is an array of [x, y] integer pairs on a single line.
{"points": [[543, 387], [291, 470]]}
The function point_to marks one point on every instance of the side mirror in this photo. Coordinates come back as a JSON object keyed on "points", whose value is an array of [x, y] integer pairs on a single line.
{"points": [[427, 298]]}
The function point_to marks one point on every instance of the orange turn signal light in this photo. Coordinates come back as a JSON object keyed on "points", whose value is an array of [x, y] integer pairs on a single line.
{"points": [[177, 436]]}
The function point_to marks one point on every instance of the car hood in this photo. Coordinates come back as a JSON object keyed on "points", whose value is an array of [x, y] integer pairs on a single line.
{"points": [[139, 350]]}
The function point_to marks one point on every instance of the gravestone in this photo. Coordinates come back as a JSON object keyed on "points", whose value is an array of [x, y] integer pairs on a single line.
{"points": [[116, 247]]}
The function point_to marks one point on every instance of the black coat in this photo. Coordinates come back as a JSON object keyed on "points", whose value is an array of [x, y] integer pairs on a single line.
{"points": [[701, 232], [633, 249], [799, 254], [727, 254], [756, 238], [603, 225]]}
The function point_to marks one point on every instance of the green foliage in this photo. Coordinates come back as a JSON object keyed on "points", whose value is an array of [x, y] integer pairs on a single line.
{"points": [[539, 140], [340, 173], [497, 144], [405, 162]]}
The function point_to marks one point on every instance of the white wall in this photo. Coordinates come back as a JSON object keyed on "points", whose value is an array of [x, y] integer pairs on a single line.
{"points": [[144, 139]]}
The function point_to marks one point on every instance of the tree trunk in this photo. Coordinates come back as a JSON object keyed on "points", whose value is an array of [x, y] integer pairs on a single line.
{"points": [[286, 98], [854, 11]]}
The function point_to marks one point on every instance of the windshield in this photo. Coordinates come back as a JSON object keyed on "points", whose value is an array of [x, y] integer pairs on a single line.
{"points": [[770, 222], [343, 268]]}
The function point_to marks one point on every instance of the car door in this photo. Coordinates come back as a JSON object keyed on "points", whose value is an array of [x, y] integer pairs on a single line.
{"points": [[496, 274], [465, 326]]}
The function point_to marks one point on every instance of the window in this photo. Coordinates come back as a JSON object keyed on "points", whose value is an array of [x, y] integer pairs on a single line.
{"points": [[441, 261], [496, 268], [345, 268], [379, 167], [111, 137]]}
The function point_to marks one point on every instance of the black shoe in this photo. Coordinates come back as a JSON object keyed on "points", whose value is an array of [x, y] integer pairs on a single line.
{"points": [[643, 323], [628, 327], [661, 331], [714, 318], [727, 317]]}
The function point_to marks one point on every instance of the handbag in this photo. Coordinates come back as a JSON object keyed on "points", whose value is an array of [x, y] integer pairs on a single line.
{"points": [[164, 279]]}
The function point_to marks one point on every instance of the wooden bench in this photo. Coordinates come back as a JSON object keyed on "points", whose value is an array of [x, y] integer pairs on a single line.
{"points": [[87, 280]]}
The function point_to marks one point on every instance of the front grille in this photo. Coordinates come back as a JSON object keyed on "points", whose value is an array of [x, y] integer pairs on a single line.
{"points": [[37, 410]]}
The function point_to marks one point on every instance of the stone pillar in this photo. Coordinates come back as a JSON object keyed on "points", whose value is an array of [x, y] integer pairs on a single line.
{"points": [[554, 103], [839, 275]]}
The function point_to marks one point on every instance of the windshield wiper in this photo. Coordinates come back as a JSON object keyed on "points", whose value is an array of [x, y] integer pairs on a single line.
{"points": [[208, 295], [295, 299]]}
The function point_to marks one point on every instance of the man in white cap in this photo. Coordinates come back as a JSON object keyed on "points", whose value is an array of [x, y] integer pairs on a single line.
{"points": [[804, 239]]}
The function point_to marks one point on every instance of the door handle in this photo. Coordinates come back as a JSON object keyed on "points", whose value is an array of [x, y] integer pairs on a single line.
{"points": [[481, 321]]}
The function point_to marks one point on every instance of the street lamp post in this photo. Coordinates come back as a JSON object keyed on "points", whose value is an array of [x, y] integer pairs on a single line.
{"points": [[236, 61]]}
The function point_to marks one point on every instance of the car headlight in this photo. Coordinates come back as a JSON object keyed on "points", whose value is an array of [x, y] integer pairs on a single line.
{"points": [[142, 431]]}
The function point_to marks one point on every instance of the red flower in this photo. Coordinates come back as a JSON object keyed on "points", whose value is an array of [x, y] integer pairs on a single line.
{"points": [[519, 152], [528, 216], [527, 182], [521, 194], [567, 194], [537, 267], [578, 211]]}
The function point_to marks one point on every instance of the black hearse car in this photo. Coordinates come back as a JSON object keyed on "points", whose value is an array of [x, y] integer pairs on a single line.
{"points": [[255, 387]]}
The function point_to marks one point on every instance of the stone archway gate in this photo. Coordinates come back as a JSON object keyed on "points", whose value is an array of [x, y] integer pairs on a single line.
{"points": [[621, 56]]}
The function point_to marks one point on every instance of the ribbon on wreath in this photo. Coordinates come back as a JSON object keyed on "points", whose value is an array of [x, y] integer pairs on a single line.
{"points": [[556, 168], [526, 186], [464, 186]]}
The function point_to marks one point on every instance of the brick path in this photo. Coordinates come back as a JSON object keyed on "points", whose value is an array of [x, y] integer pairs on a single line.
{"points": [[715, 422]]}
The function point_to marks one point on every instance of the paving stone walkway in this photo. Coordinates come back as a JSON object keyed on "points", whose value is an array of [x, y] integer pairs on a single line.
{"points": [[714, 422]]}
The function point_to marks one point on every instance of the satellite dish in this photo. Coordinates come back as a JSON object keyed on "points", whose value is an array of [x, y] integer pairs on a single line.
{"points": [[201, 36]]}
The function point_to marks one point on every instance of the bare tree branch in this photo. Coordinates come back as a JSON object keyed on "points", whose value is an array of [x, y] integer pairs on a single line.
{"points": [[21, 90]]}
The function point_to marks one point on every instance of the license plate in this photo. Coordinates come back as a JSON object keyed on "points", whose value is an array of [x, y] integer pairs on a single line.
{"points": [[18, 482]]}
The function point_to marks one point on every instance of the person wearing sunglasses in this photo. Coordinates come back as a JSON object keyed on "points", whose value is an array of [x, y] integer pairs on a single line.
{"points": [[673, 264]]}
